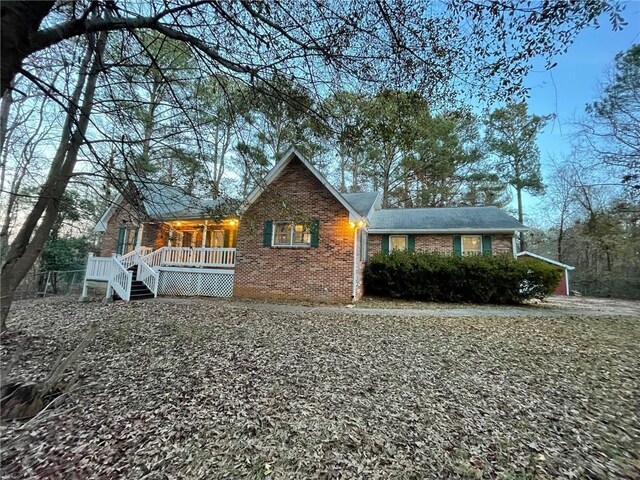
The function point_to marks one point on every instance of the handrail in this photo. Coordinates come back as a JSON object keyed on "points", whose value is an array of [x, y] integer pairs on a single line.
{"points": [[154, 258], [130, 259], [120, 279], [199, 257], [148, 276]]}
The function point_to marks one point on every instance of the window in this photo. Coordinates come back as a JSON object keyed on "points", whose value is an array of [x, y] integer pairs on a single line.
{"points": [[127, 240], [291, 234], [397, 242], [215, 239], [471, 245]]}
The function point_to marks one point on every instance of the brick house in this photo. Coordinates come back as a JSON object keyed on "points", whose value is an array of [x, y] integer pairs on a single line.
{"points": [[297, 237]]}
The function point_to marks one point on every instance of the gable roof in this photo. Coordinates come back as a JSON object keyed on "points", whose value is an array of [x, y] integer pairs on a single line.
{"points": [[162, 202], [545, 259], [440, 220], [279, 167], [362, 202]]}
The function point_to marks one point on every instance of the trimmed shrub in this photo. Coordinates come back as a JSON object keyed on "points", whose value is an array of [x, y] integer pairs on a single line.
{"points": [[433, 277]]}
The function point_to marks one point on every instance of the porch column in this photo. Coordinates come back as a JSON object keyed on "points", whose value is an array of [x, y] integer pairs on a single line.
{"points": [[170, 233], [204, 233], [139, 237]]}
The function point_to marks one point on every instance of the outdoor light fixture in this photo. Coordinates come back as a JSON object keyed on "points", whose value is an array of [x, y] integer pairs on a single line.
{"points": [[352, 224], [299, 228], [233, 222]]}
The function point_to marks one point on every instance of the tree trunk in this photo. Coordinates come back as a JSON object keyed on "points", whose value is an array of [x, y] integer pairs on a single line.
{"points": [[520, 218], [20, 22], [28, 243]]}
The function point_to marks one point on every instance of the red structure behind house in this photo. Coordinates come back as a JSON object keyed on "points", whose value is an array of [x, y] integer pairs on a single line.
{"points": [[563, 285]]}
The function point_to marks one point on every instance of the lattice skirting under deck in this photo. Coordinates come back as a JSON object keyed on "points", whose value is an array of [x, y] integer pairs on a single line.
{"points": [[194, 282]]}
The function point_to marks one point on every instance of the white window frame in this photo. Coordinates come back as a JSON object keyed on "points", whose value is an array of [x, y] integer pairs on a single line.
{"points": [[473, 252], [291, 244], [406, 243]]}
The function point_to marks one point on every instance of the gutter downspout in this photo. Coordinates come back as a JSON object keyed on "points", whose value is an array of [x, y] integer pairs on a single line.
{"points": [[354, 290]]}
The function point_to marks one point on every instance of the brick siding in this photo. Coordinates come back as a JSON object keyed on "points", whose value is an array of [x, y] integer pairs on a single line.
{"points": [[127, 216], [441, 244], [318, 273]]}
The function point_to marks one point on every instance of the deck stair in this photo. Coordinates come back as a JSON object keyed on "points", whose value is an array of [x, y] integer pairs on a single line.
{"points": [[139, 290]]}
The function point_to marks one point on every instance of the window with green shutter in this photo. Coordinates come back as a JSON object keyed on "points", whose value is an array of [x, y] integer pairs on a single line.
{"points": [[385, 244], [267, 233], [411, 243], [122, 232], [457, 245], [486, 245], [315, 233]]}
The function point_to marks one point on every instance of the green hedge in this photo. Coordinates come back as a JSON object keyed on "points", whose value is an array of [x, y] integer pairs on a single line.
{"points": [[497, 279]]}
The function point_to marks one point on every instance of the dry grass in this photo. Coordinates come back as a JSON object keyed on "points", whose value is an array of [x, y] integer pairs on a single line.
{"points": [[200, 390]]}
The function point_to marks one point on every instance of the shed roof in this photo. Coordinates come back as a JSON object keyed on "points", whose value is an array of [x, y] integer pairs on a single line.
{"points": [[545, 259], [453, 219]]}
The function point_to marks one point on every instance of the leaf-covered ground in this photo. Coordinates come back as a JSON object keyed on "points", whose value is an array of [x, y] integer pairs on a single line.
{"points": [[200, 389]]}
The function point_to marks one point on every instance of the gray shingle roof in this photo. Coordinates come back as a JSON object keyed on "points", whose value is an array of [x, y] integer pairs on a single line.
{"points": [[361, 201], [456, 219], [163, 202]]}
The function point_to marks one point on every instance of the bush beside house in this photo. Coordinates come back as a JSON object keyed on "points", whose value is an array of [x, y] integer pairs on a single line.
{"points": [[474, 279]]}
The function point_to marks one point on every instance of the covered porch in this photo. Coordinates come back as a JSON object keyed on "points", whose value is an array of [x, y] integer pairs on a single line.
{"points": [[188, 258]]}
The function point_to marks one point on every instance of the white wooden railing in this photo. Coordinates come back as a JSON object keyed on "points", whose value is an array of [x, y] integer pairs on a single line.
{"points": [[130, 259], [154, 258], [198, 257], [98, 268], [120, 280], [148, 276], [115, 269]]}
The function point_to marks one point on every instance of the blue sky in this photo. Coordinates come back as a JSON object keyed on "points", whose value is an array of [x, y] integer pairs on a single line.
{"points": [[567, 88]]}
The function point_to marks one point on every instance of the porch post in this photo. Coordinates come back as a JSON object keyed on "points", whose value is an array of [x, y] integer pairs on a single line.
{"points": [[170, 233], [139, 237], [204, 233], [85, 291]]}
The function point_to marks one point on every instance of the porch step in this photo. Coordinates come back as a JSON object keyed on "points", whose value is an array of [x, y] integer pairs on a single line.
{"points": [[139, 290]]}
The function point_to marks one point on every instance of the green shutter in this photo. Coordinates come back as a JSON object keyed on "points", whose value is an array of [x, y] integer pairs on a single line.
{"points": [[120, 245], [385, 244], [411, 243], [266, 233], [486, 245], [457, 245], [315, 233], [225, 242]]}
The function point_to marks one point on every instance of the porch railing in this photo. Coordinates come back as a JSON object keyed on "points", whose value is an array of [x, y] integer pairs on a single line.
{"points": [[116, 269], [198, 257], [120, 279], [98, 268], [148, 276]]}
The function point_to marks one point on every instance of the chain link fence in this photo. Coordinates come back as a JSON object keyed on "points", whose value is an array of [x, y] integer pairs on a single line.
{"points": [[52, 282]]}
